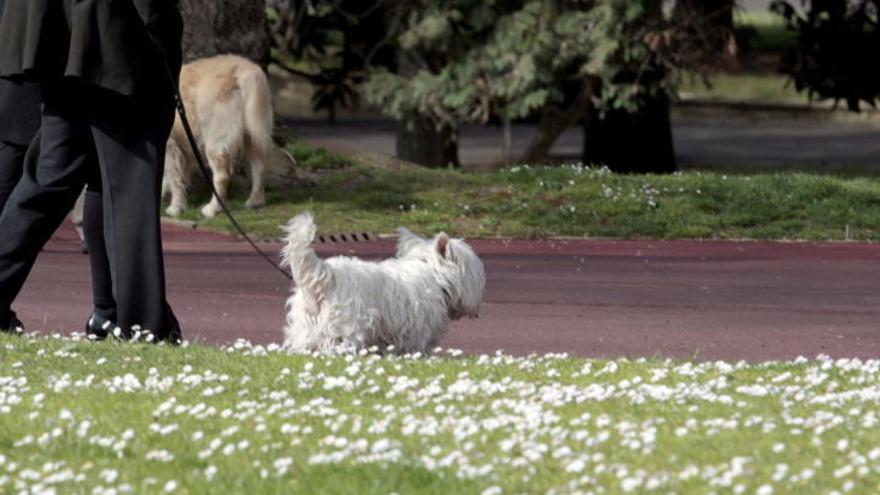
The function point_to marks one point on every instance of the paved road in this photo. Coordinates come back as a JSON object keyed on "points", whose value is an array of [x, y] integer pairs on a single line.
{"points": [[755, 5], [708, 300], [699, 142]]}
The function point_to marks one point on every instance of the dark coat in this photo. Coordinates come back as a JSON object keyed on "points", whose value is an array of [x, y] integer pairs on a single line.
{"points": [[19, 108], [103, 42]]}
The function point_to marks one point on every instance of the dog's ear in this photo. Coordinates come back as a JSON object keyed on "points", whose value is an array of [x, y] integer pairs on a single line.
{"points": [[407, 240], [441, 244]]}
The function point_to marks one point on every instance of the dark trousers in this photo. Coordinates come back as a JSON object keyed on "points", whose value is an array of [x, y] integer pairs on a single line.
{"points": [[11, 163], [82, 127], [93, 231], [12, 159]]}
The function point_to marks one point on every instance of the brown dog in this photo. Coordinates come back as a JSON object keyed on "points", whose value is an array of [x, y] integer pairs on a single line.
{"points": [[229, 105]]}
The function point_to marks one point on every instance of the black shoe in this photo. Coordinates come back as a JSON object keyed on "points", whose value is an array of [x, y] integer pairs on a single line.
{"points": [[98, 327], [12, 325], [174, 337]]}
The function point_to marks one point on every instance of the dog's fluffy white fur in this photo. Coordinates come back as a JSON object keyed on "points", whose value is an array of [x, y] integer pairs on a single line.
{"points": [[229, 104], [348, 304]]}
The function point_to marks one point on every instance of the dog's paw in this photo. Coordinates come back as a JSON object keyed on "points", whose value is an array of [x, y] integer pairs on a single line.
{"points": [[173, 211], [210, 210], [255, 204]]}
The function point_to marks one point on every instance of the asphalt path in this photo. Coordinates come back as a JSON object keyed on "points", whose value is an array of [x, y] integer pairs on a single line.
{"points": [[751, 144], [685, 299]]}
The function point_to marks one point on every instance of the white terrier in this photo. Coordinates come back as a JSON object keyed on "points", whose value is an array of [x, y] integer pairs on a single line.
{"points": [[348, 304]]}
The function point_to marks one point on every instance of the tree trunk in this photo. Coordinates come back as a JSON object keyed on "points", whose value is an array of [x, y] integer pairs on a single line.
{"points": [[553, 123], [506, 140], [419, 141], [632, 142], [418, 138], [214, 27]]}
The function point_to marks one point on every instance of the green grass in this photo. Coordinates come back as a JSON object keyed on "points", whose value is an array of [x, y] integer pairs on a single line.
{"points": [[76, 416], [536, 202], [754, 88], [764, 31]]}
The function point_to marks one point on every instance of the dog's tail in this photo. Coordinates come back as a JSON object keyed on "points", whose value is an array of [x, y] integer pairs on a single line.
{"points": [[309, 272], [258, 108]]}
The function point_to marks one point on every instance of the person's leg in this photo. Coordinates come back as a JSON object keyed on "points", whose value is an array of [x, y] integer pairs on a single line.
{"points": [[76, 216], [46, 192], [11, 163], [130, 139], [104, 313]]}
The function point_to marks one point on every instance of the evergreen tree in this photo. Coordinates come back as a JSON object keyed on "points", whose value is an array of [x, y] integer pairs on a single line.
{"points": [[446, 63], [834, 57], [331, 43], [554, 60]]}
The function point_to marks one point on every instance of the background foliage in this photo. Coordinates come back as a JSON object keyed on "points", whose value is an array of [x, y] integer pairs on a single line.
{"points": [[836, 46]]}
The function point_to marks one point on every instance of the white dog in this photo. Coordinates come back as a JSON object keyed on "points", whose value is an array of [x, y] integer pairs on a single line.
{"points": [[348, 304], [229, 105]]}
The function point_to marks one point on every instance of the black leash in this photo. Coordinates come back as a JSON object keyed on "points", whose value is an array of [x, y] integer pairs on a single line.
{"points": [[181, 110]]}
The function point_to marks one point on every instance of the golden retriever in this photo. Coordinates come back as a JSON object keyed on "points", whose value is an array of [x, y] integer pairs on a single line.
{"points": [[229, 105]]}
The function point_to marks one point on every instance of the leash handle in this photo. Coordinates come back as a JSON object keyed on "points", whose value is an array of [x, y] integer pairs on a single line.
{"points": [[181, 110]]}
